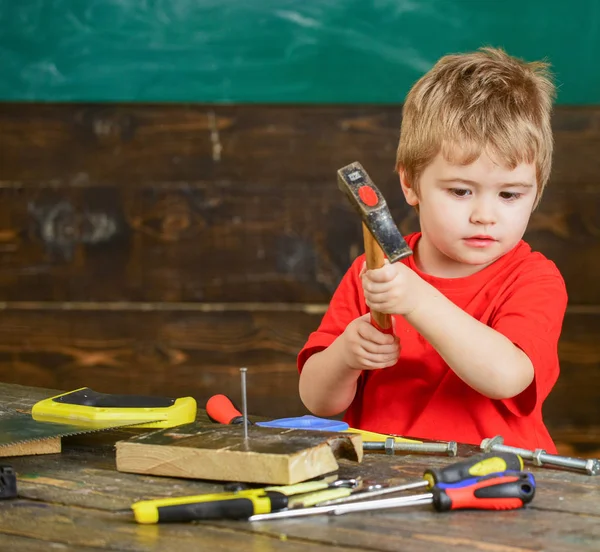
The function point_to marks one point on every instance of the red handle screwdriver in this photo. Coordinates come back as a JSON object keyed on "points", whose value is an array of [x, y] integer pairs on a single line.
{"points": [[505, 491], [508, 491], [219, 408]]}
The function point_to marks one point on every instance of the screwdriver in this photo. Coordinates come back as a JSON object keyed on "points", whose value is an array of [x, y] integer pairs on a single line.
{"points": [[239, 505], [458, 472], [506, 491]]}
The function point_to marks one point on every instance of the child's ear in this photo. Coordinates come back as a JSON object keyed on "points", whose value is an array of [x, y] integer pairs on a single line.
{"points": [[409, 193]]}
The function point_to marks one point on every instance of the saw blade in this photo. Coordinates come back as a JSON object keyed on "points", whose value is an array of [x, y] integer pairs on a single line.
{"points": [[16, 427]]}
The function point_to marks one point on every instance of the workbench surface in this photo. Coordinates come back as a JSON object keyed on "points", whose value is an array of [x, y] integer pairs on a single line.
{"points": [[71, 501]]}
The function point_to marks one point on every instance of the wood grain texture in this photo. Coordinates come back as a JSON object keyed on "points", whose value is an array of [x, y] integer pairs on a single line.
{"points": [[158, 248], [375, 258], [216, 452], [231, 203], [74, 500], [200, 353]]}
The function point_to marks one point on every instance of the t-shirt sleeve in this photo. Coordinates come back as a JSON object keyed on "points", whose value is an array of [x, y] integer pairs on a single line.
{"points": [[531, 317], [347, 304]]}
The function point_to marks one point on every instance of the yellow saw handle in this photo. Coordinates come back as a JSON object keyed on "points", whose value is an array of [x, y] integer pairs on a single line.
{"points": [[85, 406]]}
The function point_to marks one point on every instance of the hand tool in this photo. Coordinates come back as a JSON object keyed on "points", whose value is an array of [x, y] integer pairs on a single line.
{"points": [[8, 482], [237, 505], [336, 490], [17, 428], [506, 491], [539, 457], [390, 446], [219, 408], [380, 234], [457, 472], [86, 407]]}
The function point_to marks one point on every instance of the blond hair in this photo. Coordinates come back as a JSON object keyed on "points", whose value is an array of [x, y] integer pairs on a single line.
{"points": [[484, 100]]}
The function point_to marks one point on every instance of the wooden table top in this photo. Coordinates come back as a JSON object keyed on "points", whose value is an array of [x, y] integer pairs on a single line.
{"points": [[71, 501]]}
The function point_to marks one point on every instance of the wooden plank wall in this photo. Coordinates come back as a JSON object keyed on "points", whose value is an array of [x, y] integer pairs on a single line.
{"points": [[157, 248]]}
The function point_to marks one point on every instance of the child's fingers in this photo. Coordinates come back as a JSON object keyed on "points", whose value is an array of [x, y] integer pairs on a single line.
{"points": [[384, 274], [379, 361], [376, 349], [369, 286], [369, 333]]}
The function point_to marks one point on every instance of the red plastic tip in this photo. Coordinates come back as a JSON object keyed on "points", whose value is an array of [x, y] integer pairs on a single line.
{"points": [[220, 409]]}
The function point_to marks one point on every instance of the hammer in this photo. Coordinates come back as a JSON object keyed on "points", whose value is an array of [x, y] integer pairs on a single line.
{"points": [[381, 235]]}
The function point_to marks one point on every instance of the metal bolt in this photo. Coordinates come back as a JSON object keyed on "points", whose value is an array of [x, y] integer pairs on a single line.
{"points": [[391, 446], [540, 457]]}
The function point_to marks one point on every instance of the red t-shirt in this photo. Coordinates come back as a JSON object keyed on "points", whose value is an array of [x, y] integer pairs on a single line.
{"points": [[522, 295]]}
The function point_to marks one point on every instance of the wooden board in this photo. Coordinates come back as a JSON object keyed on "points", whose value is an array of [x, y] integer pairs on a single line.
{"points": [[274, 456], [73, 501], [128, 203]]}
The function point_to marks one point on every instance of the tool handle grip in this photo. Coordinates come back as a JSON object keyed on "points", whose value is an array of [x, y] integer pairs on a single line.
{"points": [[476, 466], [376, 259], [234, 506], [88, 397], [219, 408], [507, 491], [239, 508]]}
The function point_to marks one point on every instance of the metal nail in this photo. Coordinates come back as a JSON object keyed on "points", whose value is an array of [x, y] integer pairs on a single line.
{"points": [[244, 403]]}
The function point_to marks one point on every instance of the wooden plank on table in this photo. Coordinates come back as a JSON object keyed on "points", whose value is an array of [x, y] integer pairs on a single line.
{"points": [[59, 479], [221, 453], [128, 202], [75, 495], [557, 526], [48, 526]]}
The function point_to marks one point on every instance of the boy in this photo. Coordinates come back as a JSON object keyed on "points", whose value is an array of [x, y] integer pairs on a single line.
{"points": [[477, 315]]}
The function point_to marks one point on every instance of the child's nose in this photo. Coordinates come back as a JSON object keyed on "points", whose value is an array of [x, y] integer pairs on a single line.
{"points": [[483, 213]]}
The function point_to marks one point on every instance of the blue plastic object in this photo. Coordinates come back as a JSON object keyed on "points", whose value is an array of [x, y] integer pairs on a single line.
{"points": [[307, 422]]}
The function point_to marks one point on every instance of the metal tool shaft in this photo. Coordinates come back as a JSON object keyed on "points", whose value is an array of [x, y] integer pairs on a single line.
{"points": [[359, 496], [391, 446], [384, 503], [540, 457], [244, 402]]}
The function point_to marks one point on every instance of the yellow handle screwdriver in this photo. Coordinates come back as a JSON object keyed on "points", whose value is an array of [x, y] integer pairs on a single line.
{"points": [[239, 504]]}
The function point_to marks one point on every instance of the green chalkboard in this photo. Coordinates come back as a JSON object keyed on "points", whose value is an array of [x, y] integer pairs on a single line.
{"points": [[363, 51]]}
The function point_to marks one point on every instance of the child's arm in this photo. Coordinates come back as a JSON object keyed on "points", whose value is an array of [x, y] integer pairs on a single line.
{"points": [[328, 379], [482, 357]]}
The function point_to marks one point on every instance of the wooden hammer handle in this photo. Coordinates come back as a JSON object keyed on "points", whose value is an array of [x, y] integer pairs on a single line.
{"points": [[376, 259]]}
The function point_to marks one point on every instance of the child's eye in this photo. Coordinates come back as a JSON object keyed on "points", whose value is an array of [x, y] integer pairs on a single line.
{"points": [[460, 192], [511, 196]]}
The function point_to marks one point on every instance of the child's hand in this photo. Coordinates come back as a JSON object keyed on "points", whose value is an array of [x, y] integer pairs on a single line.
{"points": [[391, 289], [366, 348]]}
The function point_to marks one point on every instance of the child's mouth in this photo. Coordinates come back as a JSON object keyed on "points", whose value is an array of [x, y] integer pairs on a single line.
{"points": [[480, 241]]}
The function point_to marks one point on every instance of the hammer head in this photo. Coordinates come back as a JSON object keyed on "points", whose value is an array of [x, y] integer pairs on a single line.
{"points": [[354, 181]]}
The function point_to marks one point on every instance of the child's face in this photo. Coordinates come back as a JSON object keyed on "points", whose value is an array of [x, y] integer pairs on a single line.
{"points": [[470, 215]]}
